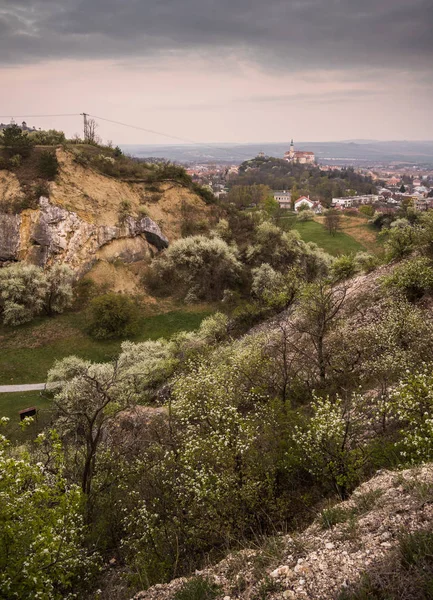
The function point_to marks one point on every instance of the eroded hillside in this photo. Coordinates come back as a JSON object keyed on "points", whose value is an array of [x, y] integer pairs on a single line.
{"points": [[91, 221]]}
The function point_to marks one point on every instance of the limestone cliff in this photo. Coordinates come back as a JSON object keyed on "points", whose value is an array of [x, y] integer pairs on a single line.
{"points": [[82, 223], [53, 234]]}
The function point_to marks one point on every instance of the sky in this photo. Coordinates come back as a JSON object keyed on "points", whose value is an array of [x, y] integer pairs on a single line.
{"points": [[221, 70]]}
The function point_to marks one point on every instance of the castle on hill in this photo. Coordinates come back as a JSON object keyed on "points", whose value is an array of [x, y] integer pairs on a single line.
{"points": [[299, 157]]}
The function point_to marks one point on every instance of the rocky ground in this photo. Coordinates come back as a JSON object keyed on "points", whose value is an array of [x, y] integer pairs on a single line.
{"points": [[344, 541]]}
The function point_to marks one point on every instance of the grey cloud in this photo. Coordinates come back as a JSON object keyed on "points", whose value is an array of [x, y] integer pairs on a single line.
{"points": [[280, 34]]}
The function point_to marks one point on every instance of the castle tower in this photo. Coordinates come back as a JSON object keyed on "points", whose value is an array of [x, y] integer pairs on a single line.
{"points": [[292, 149]]}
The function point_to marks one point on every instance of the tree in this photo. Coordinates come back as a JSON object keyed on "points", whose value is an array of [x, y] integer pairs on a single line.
{"points": [[402, 188], [48, 165], [198, 268], [59, 293], [412, 404], [22, 293], [42, 553], [90, 135], [273, 246], [332, 221], [112, 316], [400, 241], [88, 398], [15, 141], [26, 291], [319, 308], [367, 210], [333, 444]]}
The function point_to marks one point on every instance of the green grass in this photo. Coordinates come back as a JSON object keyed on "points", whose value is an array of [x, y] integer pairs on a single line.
{"points": [[340, 243], [11, 404], [29, 351]]}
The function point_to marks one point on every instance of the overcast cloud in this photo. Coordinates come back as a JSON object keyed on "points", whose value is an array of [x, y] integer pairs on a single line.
{"points": [[287, 34], [331, 68]]}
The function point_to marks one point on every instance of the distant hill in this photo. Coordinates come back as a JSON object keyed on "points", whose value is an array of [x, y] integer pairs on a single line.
{"points": [[355, 152]]}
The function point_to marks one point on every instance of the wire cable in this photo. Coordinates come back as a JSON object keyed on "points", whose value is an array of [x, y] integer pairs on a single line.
{"points": [[36, 116]]}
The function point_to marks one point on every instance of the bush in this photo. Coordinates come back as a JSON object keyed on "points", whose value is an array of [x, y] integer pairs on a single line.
{"points": [[367, 210], [198, 588], [15, 161], [22, 292], [26, 291], [366, 262], [16, 142], [400, 242], [413, 279], [52, 137], [41, 189], [112, 316], [124, 211], [197, 267], [48, 165], [343, 267], [305, 215]]}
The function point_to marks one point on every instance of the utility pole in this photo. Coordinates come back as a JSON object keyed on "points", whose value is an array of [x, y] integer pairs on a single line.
{"points": [[85, 126]]}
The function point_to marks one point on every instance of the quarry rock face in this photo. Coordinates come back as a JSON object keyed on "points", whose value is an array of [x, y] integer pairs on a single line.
{"points": [[9, 236], [52, 234]]}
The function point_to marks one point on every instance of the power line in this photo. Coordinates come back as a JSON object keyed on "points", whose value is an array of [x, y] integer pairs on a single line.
{"points": [[180, 139], [160, 133], [173, 137], [36, 116]]}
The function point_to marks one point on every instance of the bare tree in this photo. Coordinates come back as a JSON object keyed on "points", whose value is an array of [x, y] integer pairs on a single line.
{"points": [[91, 137], [332, 221]]}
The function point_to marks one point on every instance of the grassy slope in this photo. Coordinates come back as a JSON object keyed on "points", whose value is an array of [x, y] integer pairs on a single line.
{"points": [[340, 243], [29, 351]]}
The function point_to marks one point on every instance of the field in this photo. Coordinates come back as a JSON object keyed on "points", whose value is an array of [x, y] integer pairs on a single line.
{"points": [[355, 235], [29, 351]]}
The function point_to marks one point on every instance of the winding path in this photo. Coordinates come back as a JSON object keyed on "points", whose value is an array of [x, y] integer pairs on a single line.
{"points": [[29, 387]]}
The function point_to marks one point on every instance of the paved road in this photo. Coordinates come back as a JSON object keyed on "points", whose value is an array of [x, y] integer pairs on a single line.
{"points": [[22, 388]]}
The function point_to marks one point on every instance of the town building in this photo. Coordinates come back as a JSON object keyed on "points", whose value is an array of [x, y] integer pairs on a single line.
{"points": [[305, 202], [284, 199], [299, 157], [352, 201]]}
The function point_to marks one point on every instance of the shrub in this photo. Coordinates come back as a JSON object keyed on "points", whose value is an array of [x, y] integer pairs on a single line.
{"points": [[48, 165], [400, 242], [343, 267], [22, 292], [197, 267], [42, 534], [52, 137], [58, 294], [305, 215], [413, 279], [367, 210], [112, 316], [26, 291], [124, 211], [366, 262], [198, 588], [275, 247], [16, 142], [41, 189], [15, 161], [411, 403]]}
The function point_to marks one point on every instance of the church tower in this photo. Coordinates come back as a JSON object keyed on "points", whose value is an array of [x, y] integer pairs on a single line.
{"points": [[292, 149]]}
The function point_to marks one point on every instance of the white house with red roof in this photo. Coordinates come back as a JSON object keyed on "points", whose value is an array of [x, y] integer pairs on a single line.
{"points": [[305, 202]]}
